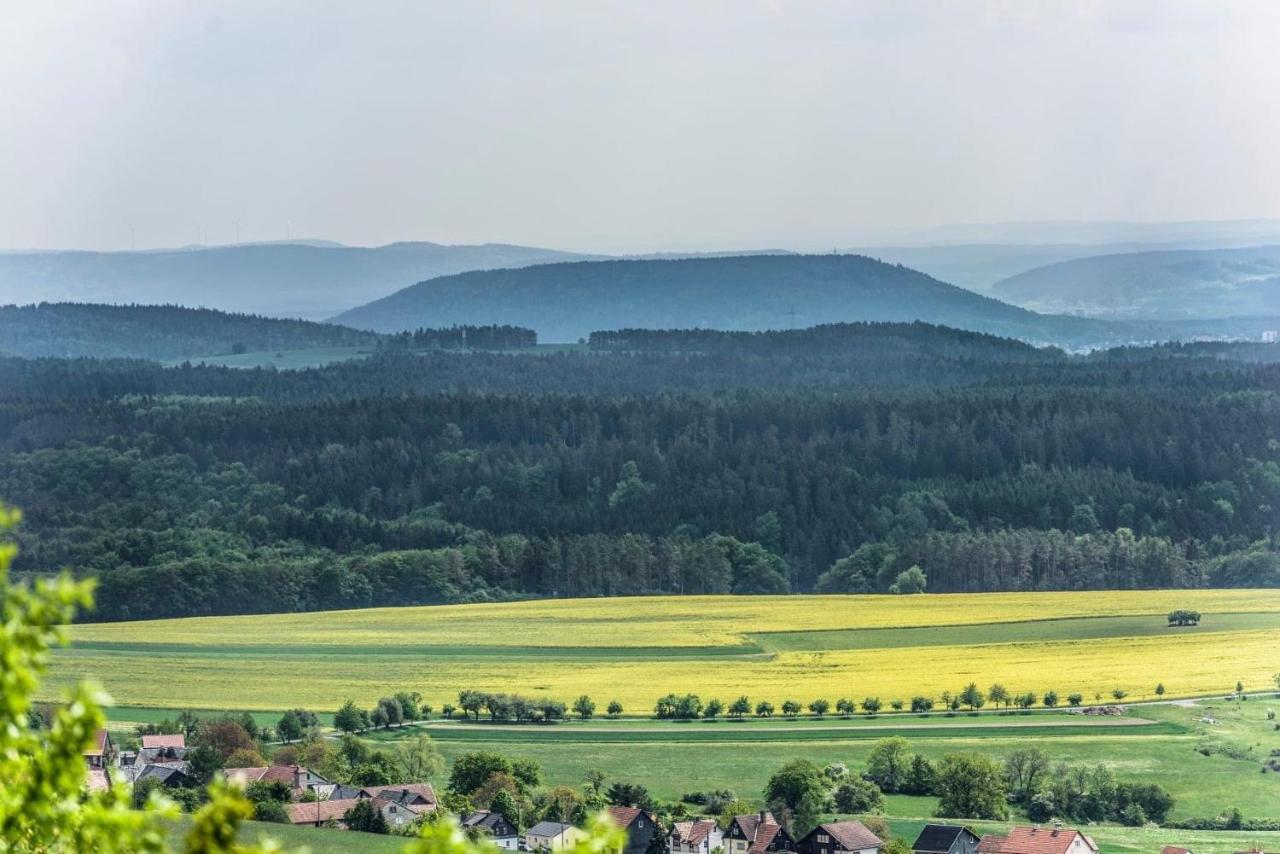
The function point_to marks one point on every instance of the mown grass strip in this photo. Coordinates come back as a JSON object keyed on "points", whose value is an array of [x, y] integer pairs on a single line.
{"points": [[730, 733]]}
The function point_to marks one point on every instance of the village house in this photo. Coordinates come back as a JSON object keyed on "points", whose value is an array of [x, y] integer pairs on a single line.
{"points": [[417, 798], [164, 741], [840, 837], [159, 748], [1174, 849], [103, 752], [297, 778], [493, 825], [639, 826], [1038, 840], [945, 839], [172, 775], [551, 836], [695, 837], [756, 834]]}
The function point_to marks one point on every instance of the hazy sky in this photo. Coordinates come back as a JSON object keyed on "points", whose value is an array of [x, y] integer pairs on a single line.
{"points": [[626, 126]]}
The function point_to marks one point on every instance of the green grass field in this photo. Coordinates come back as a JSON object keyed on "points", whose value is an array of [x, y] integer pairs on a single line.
{"points": [[781, 647]]}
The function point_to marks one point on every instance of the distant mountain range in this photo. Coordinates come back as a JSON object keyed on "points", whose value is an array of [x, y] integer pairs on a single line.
{"points": [[1175, 284], [310, 279], [157, 332], [567, 301]]}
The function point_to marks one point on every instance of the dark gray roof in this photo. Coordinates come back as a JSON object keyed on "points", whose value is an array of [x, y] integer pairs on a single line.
{"points": [[938, 838], [166, 774], [483, 818], [549, 828]]}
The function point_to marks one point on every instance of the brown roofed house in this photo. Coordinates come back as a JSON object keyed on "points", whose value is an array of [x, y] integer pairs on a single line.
{"points": [[164, 740], [840, 837], [639, 826], [694, 837], [757, 833], [1038, 840], [100, 754]]}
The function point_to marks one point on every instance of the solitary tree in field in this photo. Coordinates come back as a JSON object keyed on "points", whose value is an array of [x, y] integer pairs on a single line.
{"points": [[584, 707], [1119, 694], [1026, 700], [871, 705], [790, 708], [615, 708], [713, 709], [1050, 699], [1075, 699], [764, 709], [819, 707], [447, 710], [739, 707], [896, 705], [845, 706], [1239, 687], [1160, 689], [998, 695]]}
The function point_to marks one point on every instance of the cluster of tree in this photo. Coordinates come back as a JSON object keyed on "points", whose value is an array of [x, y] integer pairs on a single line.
{"points": [[401, 708], [1080, 793], [971, 697], [967, 785], [1181, 617], [490, 337]]}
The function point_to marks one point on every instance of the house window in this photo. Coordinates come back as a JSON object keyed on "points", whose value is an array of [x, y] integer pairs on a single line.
{"points": [[823, 838]]}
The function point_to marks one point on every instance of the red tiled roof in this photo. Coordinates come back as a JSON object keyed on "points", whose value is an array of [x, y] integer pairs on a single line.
{"points": [[693, 832], [281, 773], [1174, 849], [852, 835], [623, 816], [1038, 840], [99, 744], [174, 740], [98, 780], [759, 829], [247, 775], [310, 813], [990, 844]]}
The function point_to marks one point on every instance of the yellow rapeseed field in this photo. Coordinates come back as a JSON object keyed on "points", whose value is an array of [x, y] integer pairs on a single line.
{"points": [[664, 620], [317, 660]]}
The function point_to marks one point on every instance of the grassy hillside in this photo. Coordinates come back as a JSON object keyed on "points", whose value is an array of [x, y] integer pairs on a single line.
{"points": [[1205, 283], [163, 332], [637, 649], [565, 302], [291, 279]]}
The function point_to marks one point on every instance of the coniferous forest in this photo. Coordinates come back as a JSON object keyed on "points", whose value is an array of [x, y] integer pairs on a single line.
{"points": [[831, 459]]}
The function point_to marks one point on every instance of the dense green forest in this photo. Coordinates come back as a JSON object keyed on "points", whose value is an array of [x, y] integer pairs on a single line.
{"points": [[164, 332], [830, 459]]}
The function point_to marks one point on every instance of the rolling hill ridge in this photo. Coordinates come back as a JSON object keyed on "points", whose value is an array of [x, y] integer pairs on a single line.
{"points": [[567, 301]]}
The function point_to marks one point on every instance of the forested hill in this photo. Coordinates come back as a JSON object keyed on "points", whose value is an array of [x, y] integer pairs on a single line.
{"points": [[829, 459], [567, 301], [281, 279], [162, 332], [1202, 283]]}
